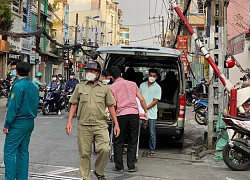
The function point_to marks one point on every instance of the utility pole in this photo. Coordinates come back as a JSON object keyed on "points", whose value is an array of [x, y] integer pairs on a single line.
{"points": [[163, 31], [87, 36], [96, 37], [171, 25], [218, 41], [74, 55], [38, 35]]}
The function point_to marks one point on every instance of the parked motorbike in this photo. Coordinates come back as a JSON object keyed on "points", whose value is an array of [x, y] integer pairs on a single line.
{"points": [[4, 87], [189, 97], [236, 154], [201, 110], [49, 102]]}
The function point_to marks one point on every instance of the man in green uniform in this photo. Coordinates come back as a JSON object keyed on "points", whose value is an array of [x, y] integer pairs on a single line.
{"points": [[91, 99], [22, 109]]}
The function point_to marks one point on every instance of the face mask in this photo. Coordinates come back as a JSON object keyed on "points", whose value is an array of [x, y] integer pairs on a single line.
{"points": [[60, 78], [90, 77], [54, 79], [13, 72], [105, 81], [202, 82], [71, 77], [151, 79]]}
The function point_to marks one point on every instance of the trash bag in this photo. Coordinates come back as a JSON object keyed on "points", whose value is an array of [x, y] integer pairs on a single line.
{"points": [[221, 134]]}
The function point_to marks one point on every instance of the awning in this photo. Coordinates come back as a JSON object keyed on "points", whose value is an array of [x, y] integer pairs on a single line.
{"points": [[49, 54]]}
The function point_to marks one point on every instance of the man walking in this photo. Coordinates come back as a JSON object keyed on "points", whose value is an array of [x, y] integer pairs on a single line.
{"points": [[151, 91], [91, 99], [19, 124], [125, 93]]}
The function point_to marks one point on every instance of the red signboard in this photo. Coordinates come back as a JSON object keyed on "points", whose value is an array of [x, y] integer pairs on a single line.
{"points": [[182, 44]]}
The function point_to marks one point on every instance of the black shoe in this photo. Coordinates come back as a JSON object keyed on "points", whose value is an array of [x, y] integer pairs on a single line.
{"points": [[133, 170], [100, 177], [118, 170]]}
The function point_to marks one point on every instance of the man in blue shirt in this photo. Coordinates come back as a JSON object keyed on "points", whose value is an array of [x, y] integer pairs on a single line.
{"points": [[71, 83], [22, 110], [151, 91]]}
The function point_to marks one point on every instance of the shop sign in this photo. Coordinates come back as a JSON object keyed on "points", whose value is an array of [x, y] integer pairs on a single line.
{"points": [[182, 44], [14, 56]]}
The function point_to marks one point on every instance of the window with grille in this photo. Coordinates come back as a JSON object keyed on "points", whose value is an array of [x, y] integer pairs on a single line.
{"points": [[201, 6], [16, 6]]}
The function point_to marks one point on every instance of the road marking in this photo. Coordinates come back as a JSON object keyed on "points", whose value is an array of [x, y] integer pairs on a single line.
{"points": [[51, 117], [51, 176], [61, 171]]}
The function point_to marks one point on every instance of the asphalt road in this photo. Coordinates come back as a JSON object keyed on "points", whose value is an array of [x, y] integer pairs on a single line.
{"points": [[54, 155]]}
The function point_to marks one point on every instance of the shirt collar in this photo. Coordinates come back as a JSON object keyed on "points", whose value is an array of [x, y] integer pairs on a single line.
{"points": [[98, 83], [119, 79]]}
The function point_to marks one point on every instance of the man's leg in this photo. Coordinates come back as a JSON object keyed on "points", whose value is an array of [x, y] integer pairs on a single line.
{"points": [[11, 145], [84, 141], [152, 135], [22, 158], [118, 142], [133, 139], [101, 135]]}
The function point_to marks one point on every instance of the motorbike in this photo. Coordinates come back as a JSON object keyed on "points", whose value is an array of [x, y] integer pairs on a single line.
{"points": [[49, 102], [201, 110], [236, 154], [189, 97], [4, 87], [67, 97]]}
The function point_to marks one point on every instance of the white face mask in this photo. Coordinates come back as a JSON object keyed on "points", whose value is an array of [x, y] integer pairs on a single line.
{"points": [[54, 78], [105, 81], [90, 77], [71, 77], [60, 78], [151, 79]]}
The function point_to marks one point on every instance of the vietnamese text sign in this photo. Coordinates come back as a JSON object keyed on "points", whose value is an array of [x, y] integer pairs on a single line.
{"points": [[182, 44], [236, 45]]}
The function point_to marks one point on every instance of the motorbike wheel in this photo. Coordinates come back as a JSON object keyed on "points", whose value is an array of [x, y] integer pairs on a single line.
{"points": [[45, 110], [235, 160], [199, 118]]}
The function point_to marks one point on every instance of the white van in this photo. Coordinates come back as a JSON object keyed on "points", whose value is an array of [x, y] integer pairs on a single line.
{"points": [[135, 62]]}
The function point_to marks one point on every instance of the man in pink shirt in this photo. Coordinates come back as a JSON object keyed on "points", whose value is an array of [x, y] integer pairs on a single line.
{"points": [[125, 93]]}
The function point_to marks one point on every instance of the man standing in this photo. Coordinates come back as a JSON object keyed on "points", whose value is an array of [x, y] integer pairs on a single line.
{"points": [[19, 124], [91, 99], [151, 91], [125, 93]]}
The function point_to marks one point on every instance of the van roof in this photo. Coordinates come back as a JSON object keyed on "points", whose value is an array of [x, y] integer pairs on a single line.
{"points": [[149, 50]]}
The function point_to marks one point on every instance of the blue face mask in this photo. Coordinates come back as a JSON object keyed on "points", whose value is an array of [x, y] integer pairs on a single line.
{"points": [[13, 72]]}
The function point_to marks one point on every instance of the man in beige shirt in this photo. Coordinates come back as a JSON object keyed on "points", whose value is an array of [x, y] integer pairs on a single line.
{"points": [[90, 99]]}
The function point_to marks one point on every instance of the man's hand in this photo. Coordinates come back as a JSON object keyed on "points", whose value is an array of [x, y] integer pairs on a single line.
{"points": [[68, 128], [116, 130], [146, 116], [5, 131]]}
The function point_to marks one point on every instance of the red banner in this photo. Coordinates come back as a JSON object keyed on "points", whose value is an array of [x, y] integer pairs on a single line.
{"points": [[182, 44]]}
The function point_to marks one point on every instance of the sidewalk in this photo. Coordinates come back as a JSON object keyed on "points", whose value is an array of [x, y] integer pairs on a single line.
{"points": [[3, 102]]}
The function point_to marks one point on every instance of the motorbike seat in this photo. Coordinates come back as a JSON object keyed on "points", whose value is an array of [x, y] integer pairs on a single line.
{"points": [[237, 118]]}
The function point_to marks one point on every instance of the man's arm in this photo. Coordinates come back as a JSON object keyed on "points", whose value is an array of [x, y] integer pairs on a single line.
{"points": [[155, 101], [72, 111], [14, 103], [114, 118]]}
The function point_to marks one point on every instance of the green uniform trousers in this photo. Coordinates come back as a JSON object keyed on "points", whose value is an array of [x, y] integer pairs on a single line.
{"points": [[16, 150], [86, 135]]}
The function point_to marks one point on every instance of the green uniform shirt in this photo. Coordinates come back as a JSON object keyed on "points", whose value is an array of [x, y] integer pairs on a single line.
{"points": [[23, 101], [92, 102]]}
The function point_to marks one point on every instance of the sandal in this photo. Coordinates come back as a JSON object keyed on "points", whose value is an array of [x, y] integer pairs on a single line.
{"points": [[152, 154]]}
